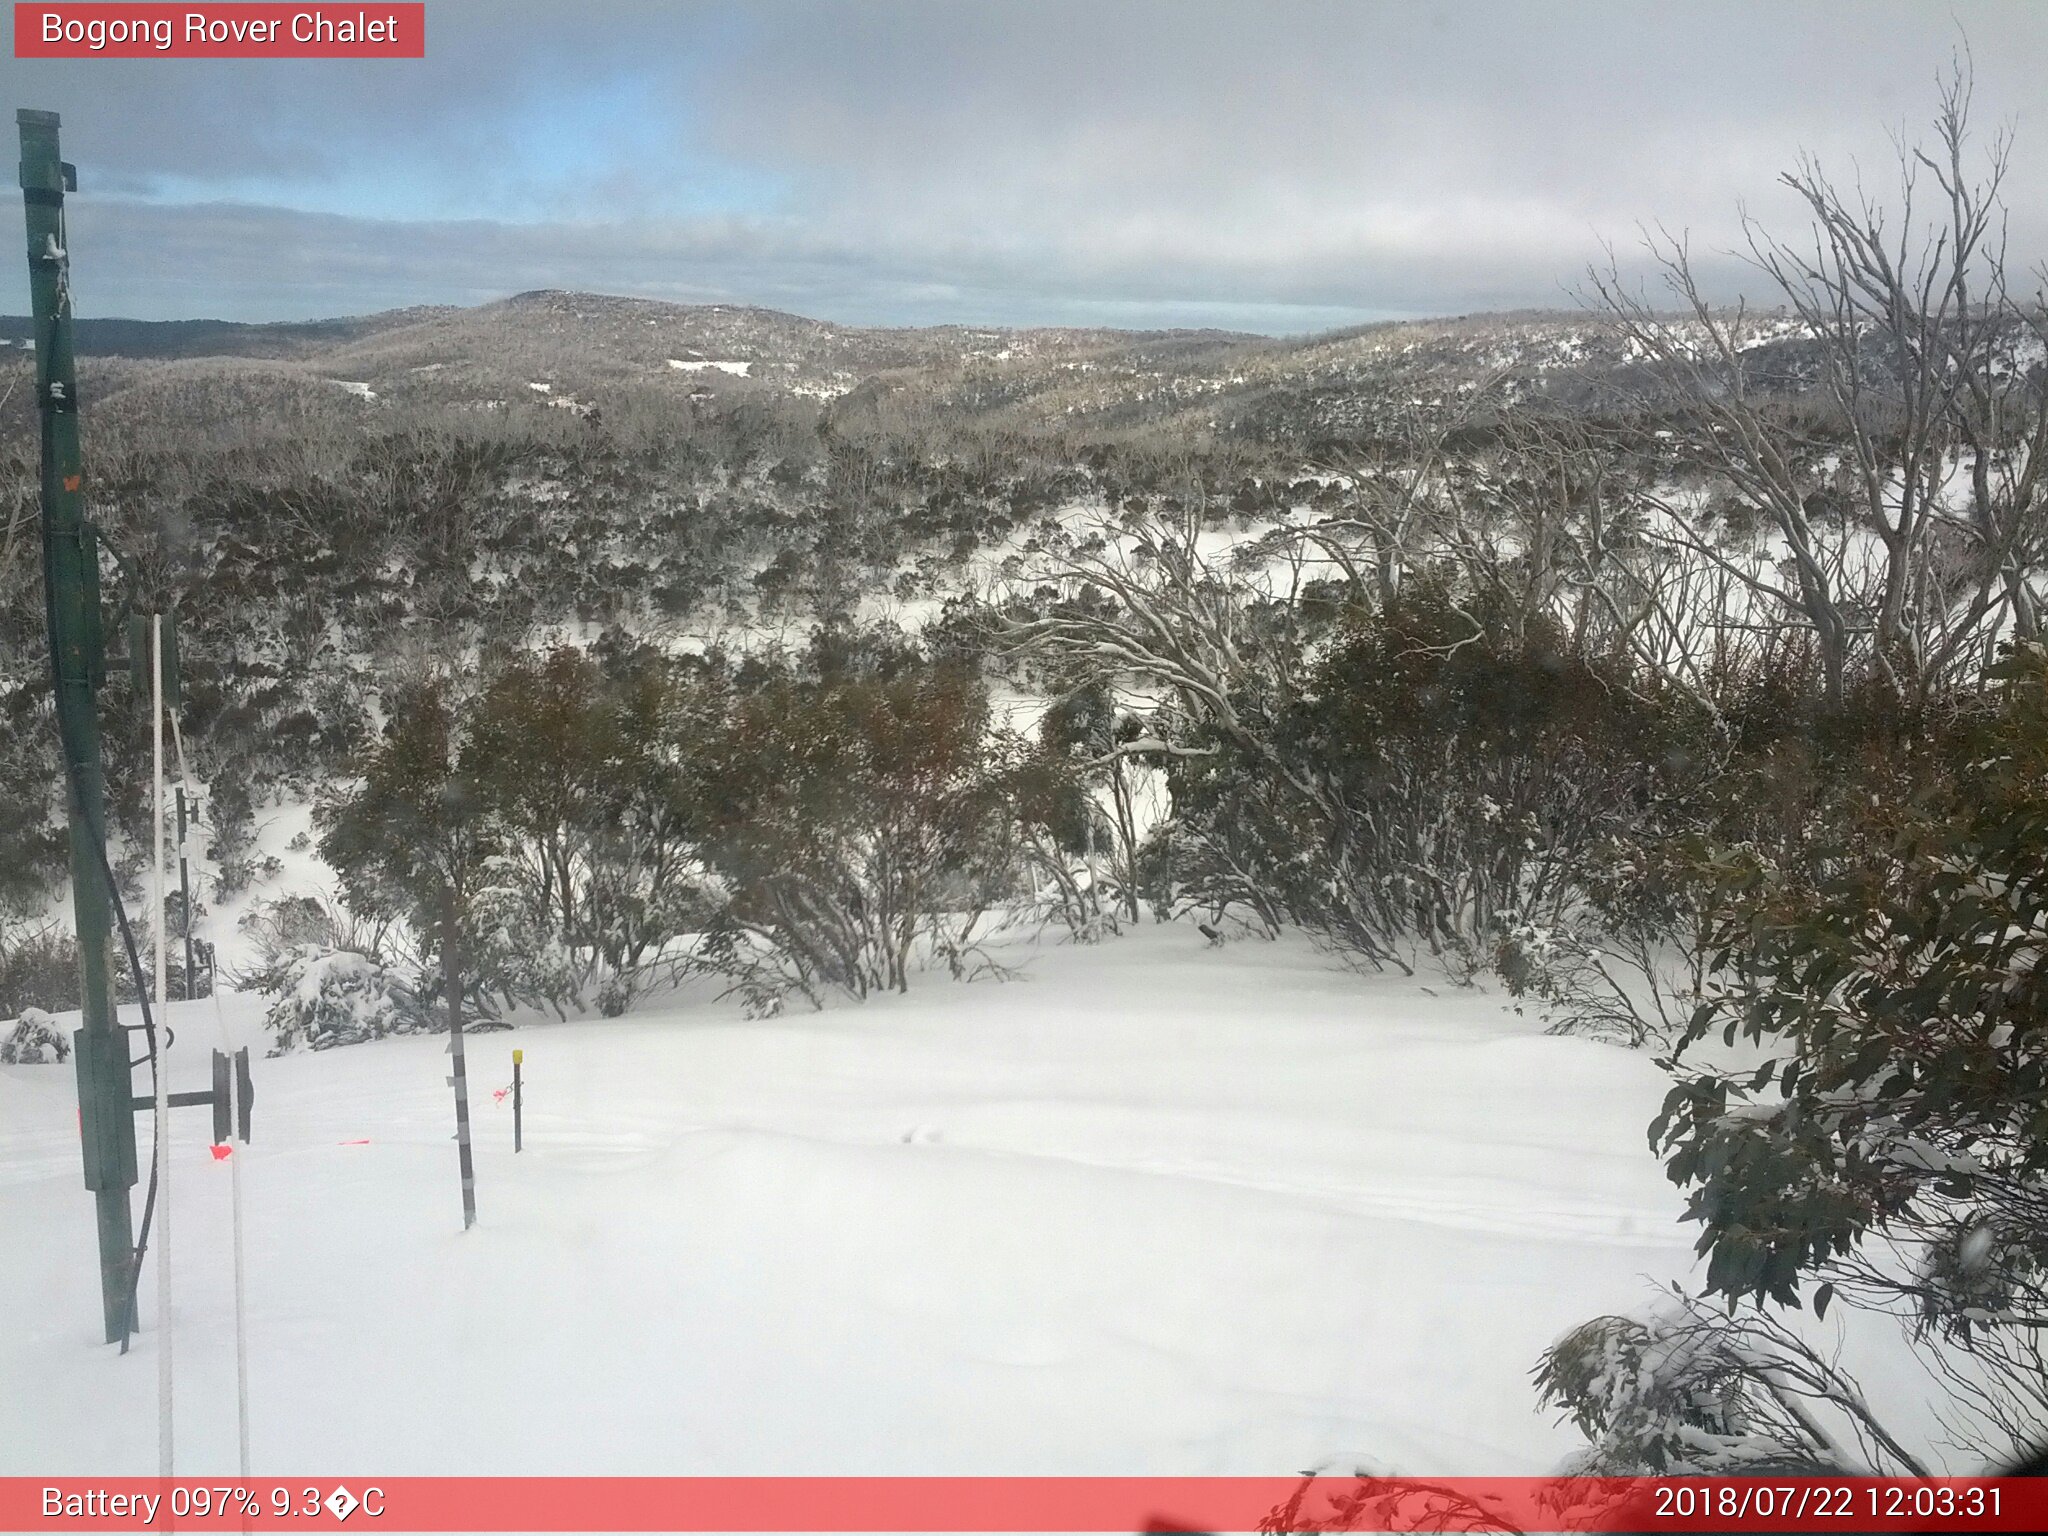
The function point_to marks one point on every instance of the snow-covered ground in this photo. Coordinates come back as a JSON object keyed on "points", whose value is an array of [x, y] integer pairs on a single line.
{"points": [[1151, 1208]]}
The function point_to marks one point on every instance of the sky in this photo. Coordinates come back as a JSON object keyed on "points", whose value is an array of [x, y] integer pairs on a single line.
{"points": [[1283, 166]]}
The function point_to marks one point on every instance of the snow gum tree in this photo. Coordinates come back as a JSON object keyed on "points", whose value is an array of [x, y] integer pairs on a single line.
{"points": [[415, 836], [1103, 748], [1430, 757], [1878, 440], [852, 813], [580, 758]]}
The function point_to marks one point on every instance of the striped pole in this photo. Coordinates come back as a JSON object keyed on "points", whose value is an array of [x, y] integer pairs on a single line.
{"points": [[184, 880], [451, 971]]}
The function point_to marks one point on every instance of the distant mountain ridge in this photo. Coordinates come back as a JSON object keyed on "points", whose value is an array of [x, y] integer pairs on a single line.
{"points": [[596, 353], [163, 339], [299, 339]]}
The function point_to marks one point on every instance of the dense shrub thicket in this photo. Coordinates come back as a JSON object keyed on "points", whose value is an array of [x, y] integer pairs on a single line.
{"points": [[599, 823], [317, 558]]}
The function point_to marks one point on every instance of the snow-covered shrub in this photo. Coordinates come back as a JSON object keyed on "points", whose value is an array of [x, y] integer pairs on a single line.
{"points": [[1060, 831], [1686, 1388], [233, 843], [34, 1040], [1631, 964], [278, 930], [1593, 980], [1429, 767], [1090, 752], [328, 997], [510, 956]]}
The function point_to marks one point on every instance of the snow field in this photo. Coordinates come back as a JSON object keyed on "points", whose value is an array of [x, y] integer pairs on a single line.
{"points": [[1151, 1208]]}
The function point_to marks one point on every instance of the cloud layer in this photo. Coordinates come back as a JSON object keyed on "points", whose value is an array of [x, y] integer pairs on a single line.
{"points": [[1282, 166]]}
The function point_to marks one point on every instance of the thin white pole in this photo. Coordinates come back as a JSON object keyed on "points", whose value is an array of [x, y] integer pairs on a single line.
{"points": [[162, 1073], [234, 1189], [241, 1316]]}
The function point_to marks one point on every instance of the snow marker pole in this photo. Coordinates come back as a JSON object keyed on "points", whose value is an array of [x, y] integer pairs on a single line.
{"points": [[459, 1077], [518, 1140]]}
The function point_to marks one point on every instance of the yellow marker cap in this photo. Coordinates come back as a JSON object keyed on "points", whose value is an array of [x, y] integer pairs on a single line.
{"points": [[517, 1057]]}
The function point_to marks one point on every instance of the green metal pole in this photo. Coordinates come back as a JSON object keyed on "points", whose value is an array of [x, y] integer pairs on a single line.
{"points": [[77, 662]]}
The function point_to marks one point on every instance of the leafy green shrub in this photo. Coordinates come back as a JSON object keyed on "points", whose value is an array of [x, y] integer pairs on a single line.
{"points": [[1894, 980], [1890, 1150], [38, 969]]}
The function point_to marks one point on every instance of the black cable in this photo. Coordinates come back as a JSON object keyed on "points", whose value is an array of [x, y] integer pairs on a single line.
{"points": [[73, 762], [130, 1323]]}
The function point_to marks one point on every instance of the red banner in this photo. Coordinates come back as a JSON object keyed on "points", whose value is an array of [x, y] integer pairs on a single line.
{"points": [[1003, 1504], [319, 31]]}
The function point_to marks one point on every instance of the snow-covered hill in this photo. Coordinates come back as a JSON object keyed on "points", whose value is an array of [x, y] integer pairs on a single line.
{"points": [[1033, 379]]}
